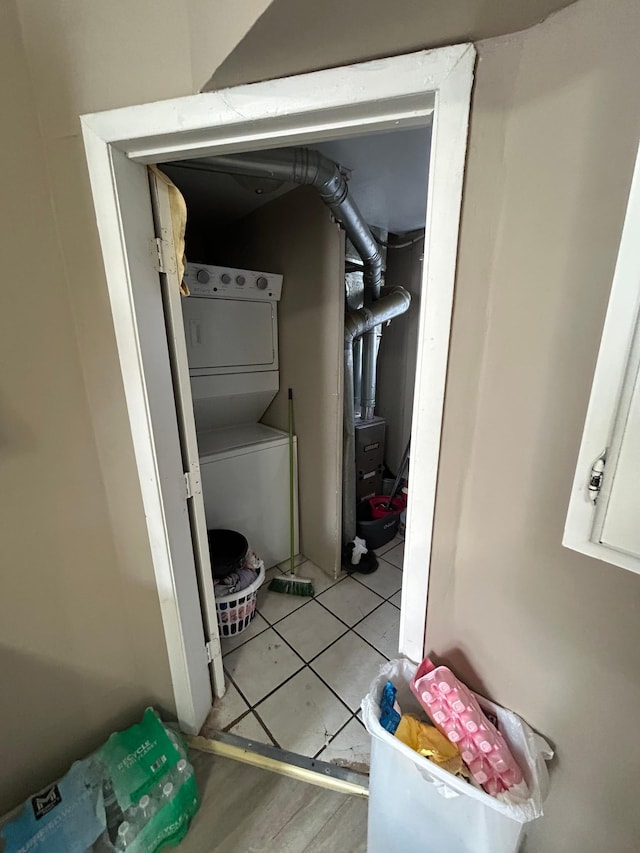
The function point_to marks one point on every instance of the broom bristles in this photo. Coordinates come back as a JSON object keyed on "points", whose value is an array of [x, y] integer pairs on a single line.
{"points": [[291, 585]]}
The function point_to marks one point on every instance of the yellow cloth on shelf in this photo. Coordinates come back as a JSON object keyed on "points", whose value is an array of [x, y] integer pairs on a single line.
{"points": [[430, 743]]}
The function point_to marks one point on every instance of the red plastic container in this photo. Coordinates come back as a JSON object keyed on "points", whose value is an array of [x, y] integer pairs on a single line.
{"points": [[378, 505]]}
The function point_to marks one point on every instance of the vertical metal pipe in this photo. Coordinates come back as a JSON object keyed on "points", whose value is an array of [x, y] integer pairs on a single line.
{"points": [[348, 449], [356, 324], [368, 384], [357, 375]]}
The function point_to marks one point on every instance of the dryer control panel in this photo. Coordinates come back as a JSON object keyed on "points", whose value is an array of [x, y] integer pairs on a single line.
{"points": [[216, 282]]}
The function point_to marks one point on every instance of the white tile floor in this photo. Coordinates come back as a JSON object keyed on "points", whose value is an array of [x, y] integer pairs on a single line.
{"points": [[296, 676]]}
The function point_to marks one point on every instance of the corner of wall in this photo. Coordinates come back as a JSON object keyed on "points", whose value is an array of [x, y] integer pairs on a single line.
{"points": [[479, 244], [215, 33]]}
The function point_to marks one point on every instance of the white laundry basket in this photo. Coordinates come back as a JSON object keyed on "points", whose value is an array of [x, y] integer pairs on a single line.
{"points": [[237, 609], [417, 807]]}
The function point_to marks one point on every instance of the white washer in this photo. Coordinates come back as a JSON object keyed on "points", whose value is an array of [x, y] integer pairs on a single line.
{"points": [[245, 485], [231, 330]]}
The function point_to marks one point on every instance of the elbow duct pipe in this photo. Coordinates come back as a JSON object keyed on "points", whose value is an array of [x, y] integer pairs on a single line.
{"points": [[356, 324], [309, 168]]}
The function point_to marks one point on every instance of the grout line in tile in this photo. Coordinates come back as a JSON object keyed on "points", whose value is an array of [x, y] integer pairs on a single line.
{"points": [[326, 607], [297, 654], [237, 720], [265, 727], [325, 648], [286, 642], [387, 547], [308, 601], [278, 686], [246, 640], [377, 607], [313, 670], [380, 652], [335, 615], [362, 583], [253, 709], [331, 690], [307, 665], [282, 683], [334, 736], [351, 628], [226, 674], [271, 624], [271, 692], [391, 565]]}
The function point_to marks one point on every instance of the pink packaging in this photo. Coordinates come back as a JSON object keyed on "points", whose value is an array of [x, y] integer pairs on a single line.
{"points": [[455, 711]]}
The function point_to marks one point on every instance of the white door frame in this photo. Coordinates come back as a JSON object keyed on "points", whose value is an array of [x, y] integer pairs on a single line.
{"points": [[399, 92]]}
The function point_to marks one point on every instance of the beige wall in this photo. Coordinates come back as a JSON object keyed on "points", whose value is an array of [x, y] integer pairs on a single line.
{"points": [[215, 27], [295, 235], [550, 633], [398, 349], [70, 667], [292, 36], [81, 641]]}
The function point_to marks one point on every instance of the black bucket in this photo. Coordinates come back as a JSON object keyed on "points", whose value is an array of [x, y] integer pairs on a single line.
{"points": [[376, 532], [227, 549]]}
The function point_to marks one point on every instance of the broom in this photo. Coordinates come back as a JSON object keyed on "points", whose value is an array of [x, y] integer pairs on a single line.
{"points": [[290, 584]]}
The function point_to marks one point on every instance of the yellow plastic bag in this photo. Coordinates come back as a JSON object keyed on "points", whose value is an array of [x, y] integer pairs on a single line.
{"points": [[428, 741]]}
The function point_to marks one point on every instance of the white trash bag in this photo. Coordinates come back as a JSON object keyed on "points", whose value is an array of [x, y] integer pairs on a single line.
{"points": [[415, 806]]}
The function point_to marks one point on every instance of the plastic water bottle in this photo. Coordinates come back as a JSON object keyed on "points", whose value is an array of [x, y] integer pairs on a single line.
{"points": [[113, 812], [181, 773], [131, 815], [168, 793], [146, 809], [126, 834], [175, 740]]}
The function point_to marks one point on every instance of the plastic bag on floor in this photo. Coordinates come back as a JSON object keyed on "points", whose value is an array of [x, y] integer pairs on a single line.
{"points": [[136, 793]]}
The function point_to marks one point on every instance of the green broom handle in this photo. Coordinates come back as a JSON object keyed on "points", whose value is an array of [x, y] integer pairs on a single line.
{"points": [[291, 485]]}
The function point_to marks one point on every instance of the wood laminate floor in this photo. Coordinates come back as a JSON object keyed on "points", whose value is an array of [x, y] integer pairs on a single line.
{"points": [[248, 810]]}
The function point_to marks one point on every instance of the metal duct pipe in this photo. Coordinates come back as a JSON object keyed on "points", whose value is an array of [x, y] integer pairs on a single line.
{"points": [[308, 167], [356, 324], [357, 376]]}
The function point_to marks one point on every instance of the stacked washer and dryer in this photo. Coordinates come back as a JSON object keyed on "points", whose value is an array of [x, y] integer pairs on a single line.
{"points": [[231, 330]]}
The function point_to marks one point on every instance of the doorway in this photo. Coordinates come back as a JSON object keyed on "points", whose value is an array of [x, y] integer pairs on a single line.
{"points": [[402, 92], [269, 283]]}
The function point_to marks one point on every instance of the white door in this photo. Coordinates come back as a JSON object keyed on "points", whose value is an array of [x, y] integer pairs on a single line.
{"points": [[171, 297]]}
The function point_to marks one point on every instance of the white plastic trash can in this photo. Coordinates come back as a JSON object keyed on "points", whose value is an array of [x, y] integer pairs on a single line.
{"points": [[417, 807]]}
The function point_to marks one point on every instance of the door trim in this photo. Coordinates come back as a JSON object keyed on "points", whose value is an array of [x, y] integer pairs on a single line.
{"points": [[398, 92]]}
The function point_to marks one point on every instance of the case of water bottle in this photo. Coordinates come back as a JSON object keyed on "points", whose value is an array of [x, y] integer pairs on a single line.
{"points": [[137, 793]]}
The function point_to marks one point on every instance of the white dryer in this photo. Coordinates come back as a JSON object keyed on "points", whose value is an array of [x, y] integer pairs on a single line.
{"points": [[231, 329]]}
